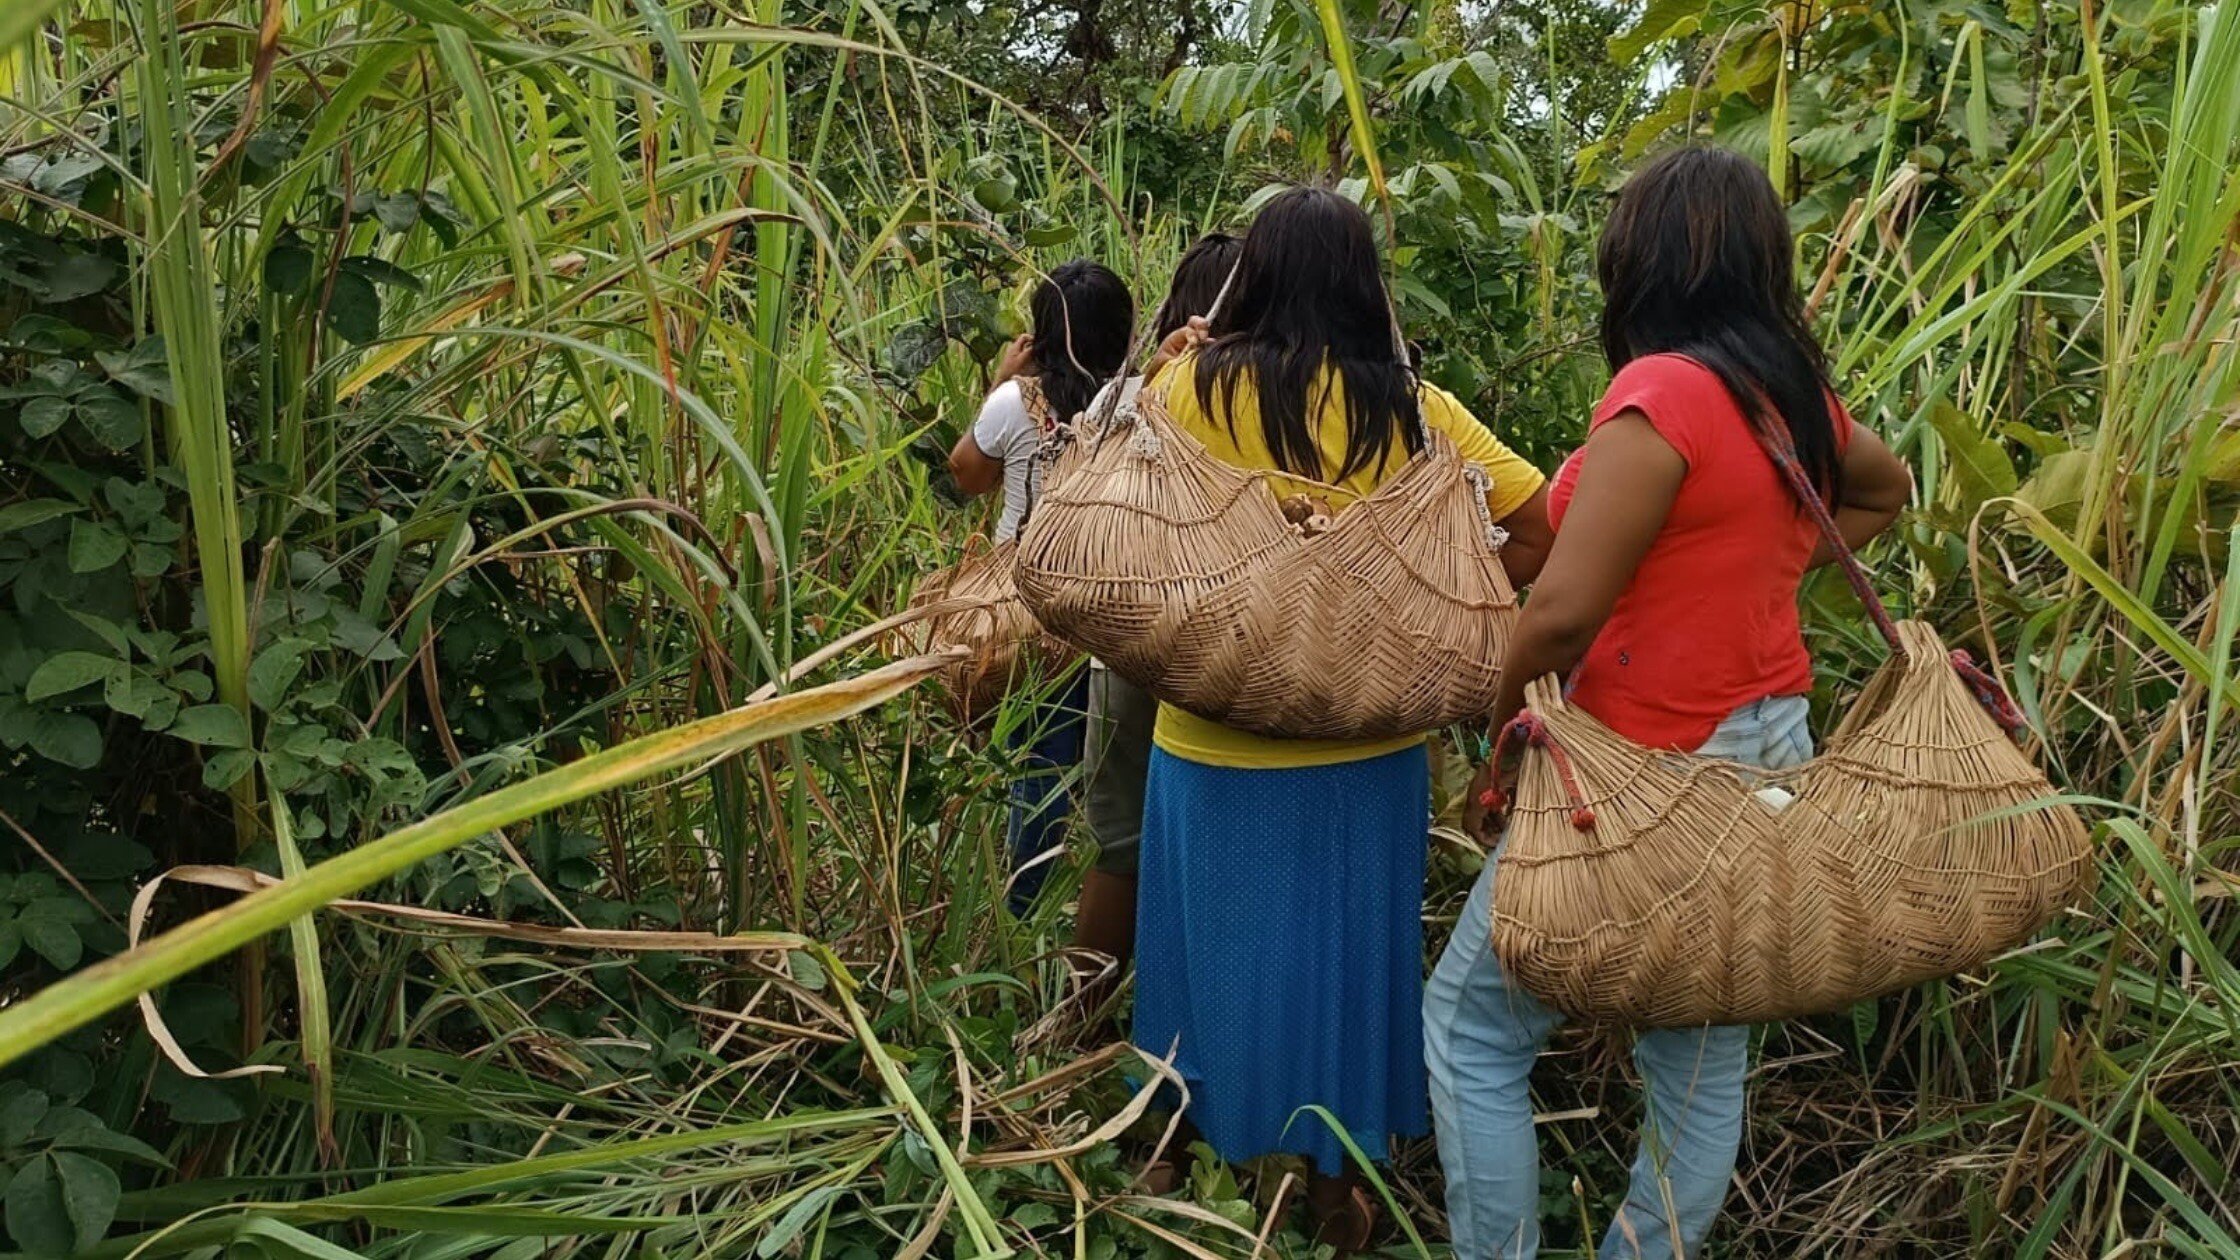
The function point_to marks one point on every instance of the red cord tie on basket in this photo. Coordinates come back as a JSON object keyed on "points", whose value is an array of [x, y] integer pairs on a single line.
{"points": [[1529, 729]]}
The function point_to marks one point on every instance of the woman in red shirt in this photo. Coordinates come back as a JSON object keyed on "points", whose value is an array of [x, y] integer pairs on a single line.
{"points": [[1669, 600]]}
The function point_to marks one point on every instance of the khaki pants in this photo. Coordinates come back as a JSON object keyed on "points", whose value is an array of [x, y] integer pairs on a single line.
{"points": [[1118, 756]]}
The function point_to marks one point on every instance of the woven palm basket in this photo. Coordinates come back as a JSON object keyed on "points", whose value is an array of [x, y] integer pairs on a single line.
{"points": [[1005, 645], [1659, 889], [1183, 575]]}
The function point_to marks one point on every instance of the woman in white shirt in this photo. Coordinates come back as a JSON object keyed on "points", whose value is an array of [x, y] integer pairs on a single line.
{"points": [[1083, 321]]}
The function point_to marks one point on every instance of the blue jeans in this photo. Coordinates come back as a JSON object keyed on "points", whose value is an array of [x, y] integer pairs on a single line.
{"points": [[1481, 1036], [1040, 804]]}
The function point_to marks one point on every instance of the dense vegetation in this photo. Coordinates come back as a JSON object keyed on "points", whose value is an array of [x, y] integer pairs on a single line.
{"points": [[421, 422]]}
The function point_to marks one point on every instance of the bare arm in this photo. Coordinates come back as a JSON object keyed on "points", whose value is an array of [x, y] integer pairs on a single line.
{"points": [[1180, 342], [1530, 536], [1627, 484], [1876, 487], [976, 471]]}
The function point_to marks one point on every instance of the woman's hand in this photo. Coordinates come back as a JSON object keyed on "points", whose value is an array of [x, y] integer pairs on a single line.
{"points": [[1017, 358], [1479, 818], [1180, 342]]}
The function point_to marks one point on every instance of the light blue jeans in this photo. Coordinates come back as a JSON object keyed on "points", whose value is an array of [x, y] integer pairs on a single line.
{"points": [[1481, 1036]]}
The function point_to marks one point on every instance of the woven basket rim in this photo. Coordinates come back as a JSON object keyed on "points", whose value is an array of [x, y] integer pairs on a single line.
{"points": [[1152, 409]]}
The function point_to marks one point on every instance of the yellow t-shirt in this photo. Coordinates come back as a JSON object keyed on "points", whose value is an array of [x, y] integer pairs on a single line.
{"points": [[1512, 482]]}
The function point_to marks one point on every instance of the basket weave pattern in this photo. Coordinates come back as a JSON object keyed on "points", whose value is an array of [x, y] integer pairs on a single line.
{"points": [[1006, 645], [1181, 573], [1910, 851]]}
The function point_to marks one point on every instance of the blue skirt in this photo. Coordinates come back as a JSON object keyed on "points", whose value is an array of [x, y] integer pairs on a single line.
{"points": [[1279, 950]]}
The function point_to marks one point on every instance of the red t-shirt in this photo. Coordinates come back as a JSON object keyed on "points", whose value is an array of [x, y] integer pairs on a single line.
{"points": [[1709, 622]]}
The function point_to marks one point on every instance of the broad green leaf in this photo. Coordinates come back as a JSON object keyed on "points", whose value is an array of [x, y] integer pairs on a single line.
{"points": [[132, 691], [2059, 486], [38, 1216], [1978, 106], [380, 271], [29, 512], [111, 418], [95, 545], [69, 738], [998, 195], [192, 1101], [213, 726], [806, 970], [51, 937], [361, 636], [150, 560], [77, 274], [274, 671], [224, 769], [65, 672], [397, 211], [143, 368], [354, 308], [99, 1137], [287, 268], [89, 1195], [1979, 463], [20, 1113], [2223, 464], [1663, 19], [44, 417], [100, 855]]}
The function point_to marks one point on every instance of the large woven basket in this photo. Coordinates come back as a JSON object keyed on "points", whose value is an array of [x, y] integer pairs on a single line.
{"points": [[1659, 889], [1183, 575], [1005, 645]]}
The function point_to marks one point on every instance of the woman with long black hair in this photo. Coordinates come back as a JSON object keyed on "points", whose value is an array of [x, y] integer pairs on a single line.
{"points": [[1279, 950], [1083, 320], [1669, 601]]}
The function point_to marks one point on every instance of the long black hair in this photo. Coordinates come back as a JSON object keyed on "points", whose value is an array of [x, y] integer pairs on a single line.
{"points": [[1308, 293], [1083, 318], [1697, 259], [1197, 282]]}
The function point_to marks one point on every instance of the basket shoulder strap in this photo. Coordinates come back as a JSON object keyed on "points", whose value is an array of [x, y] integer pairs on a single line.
{"points": [[1783, 452], [1037, 404]]}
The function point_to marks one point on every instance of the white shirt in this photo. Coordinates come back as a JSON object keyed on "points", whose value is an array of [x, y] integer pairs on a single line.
{"points": [[1006, 431]]}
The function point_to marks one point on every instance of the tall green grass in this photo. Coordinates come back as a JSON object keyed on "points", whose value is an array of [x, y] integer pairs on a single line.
{"points": [[693, 246]]}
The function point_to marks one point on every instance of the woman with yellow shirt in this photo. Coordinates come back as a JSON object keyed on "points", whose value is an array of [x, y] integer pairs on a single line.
{"points": [[1280, 937]]}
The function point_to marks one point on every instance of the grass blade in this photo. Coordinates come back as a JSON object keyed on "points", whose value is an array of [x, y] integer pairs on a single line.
{"points": [[85, 995]]}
